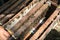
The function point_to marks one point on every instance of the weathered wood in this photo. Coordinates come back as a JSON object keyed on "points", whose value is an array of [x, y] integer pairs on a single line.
{"points": [[18, 14], [31, 20], [7, 17], [26, 15], [44, 26], [34, 25], [32, 28], [49, 29], [5, 7], [8, 11]]}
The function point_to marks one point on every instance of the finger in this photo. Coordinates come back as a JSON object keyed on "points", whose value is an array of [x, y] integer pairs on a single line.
{"points": [[3, 37], [6, 34], [2, 30], [0, 38]]}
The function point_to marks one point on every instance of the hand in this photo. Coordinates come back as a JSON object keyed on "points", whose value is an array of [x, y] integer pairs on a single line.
{"points": [[3, 34]]}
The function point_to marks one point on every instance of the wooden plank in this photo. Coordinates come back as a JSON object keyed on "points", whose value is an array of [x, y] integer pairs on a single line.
{"points": [[49, 29], [31, 20], [44, 26], [34, 9], [27, 16], [17, 15], [9, 16], [4, 8], [32, 28], [11, 8]]}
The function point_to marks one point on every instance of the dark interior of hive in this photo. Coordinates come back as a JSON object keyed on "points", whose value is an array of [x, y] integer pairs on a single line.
{"points": [[53, 34], [2, 2]]}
